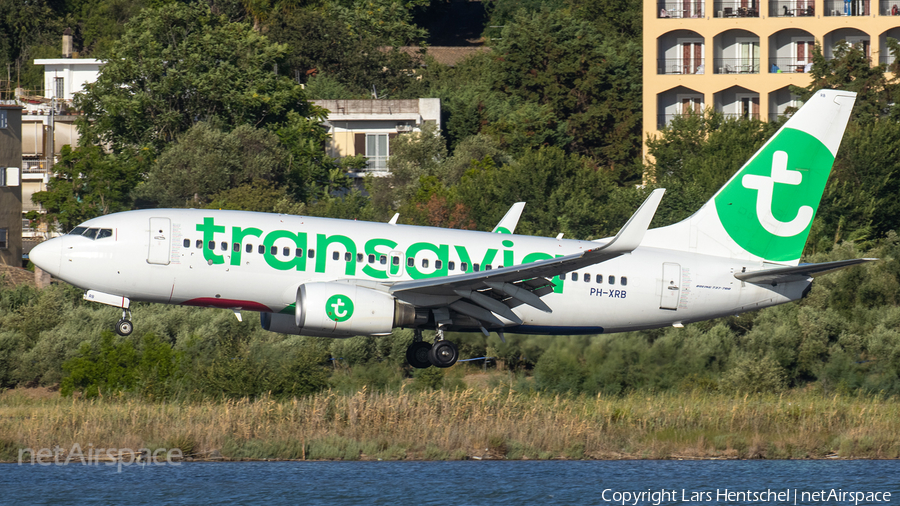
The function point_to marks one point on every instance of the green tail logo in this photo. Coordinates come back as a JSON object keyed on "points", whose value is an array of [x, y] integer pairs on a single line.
{"points": [[768, 209]]}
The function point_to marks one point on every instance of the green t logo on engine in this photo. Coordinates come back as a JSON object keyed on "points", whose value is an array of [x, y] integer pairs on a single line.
{"points": [[339, 308]]}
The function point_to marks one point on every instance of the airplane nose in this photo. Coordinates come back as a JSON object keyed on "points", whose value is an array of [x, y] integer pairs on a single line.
{"points": [[47, 255]]}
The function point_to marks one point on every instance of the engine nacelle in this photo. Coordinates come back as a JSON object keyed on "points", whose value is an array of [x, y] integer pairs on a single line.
{"points": [[341, 310]]}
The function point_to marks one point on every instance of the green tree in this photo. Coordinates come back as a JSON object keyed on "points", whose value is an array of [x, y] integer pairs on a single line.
{"points": [[89, 183], [590, 84], [206, 161], [179, 65]]}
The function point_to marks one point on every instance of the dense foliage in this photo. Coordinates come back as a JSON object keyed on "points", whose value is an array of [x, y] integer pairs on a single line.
{"points": [[201, 104]]}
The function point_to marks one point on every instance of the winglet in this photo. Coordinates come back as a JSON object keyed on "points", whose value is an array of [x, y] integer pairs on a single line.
{"points": [[508, 224], [393, 220], [631, 235]]}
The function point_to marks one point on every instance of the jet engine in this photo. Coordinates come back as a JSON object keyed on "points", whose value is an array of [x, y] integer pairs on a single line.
{"points": [[341, 310]]}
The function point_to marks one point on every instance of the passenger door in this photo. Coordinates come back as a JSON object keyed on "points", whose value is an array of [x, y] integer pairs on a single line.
{"points": [[671, 286], [160, 241]]}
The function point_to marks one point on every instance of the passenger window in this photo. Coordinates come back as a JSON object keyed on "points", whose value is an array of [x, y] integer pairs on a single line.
{"points": [[78, 230], [348, 257], [199, 244], [487, 267], [612, 280], [273, 250], [223, 245], [335, 255], [311, 253], [475, 267], [359, 257], [371, 259], [249, 248], [383, 260], [395, 260], [298, 252], [211, 245], [107, 232], [286, 251], [424, 262], [237, 246], [574, 276], [599, 279], [410, 261], [451, 265], [463, 266], [623, 281], [187, 243], [261, 249], [587, 278], [437, 264]]}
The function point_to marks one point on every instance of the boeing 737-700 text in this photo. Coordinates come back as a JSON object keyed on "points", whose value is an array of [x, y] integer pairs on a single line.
{"points": [[339, 278]]}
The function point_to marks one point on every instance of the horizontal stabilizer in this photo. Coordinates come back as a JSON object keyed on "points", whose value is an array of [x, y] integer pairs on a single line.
{"points": [[797, 273]]}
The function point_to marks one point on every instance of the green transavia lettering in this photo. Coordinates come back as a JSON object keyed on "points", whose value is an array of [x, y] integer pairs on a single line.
{"points": [[376, 247]]}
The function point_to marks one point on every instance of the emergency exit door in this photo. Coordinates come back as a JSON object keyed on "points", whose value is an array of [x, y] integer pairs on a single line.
{"points": [[671, 286], [160, 241]]}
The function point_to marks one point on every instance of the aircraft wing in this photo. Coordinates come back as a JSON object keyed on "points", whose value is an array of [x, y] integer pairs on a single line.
{"points": [[524, 283], [797, 273]]}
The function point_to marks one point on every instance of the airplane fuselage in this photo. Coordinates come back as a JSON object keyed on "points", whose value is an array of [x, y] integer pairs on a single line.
{"points": [[257, 261]]}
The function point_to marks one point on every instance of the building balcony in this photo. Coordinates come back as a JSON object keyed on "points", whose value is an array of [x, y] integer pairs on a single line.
{"points": [[788, 65], [681, 9], [791, 8], [736, 9], [679, 66], [735, 66], [847, 8], [889, 8], [35, 166], [738, 115]]}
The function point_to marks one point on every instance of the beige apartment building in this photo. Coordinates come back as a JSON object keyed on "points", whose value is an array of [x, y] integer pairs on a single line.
{"points": [[739, 57]]}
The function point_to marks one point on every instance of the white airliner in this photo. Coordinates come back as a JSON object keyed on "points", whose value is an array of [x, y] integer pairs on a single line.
{"points": [[339, 278]]}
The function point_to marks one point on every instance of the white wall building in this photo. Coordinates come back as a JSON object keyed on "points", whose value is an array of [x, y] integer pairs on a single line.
{"points": [[63, 77]]}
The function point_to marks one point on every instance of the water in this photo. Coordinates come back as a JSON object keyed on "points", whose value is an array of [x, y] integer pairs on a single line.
{"points": [[469, 482]]}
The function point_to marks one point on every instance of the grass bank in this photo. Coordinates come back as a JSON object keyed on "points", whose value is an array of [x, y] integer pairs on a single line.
{"points": [[464, 424]]}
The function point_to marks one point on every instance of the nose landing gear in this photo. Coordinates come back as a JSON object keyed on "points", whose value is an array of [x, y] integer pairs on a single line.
{"points": [[421, 354]]}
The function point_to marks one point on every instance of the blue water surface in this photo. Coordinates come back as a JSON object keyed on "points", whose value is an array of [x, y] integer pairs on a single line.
{"points": [[466, 482]]}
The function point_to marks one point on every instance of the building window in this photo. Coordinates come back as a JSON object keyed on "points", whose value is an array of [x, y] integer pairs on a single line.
{"points": [[3, 120], [59, 87], [377, 151], [3, 244], [2, 176]]}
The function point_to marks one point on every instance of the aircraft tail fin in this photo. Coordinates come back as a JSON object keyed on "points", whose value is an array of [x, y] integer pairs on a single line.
{"points": [[765, 211]]}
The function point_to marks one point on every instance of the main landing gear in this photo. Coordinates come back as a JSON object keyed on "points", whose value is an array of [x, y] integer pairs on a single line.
{"points": [[124, 327], [441, 354]]}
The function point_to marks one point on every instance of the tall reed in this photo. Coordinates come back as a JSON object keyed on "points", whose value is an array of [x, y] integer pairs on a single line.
{"points": [[498, 423]]}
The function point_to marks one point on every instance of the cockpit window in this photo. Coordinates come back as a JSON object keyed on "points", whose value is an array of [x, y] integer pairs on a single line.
{"points": [[92, 233]]}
